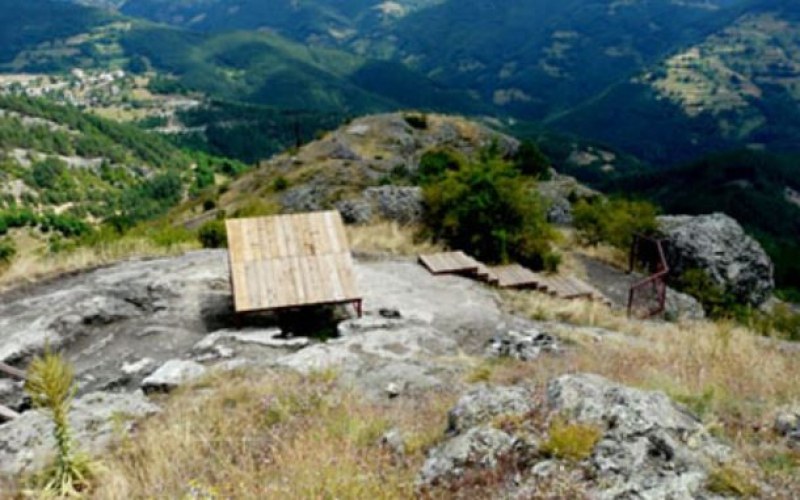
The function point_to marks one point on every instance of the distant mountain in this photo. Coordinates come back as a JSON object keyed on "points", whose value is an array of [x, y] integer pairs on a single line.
{"points": [[248, 66], [664, 79]]}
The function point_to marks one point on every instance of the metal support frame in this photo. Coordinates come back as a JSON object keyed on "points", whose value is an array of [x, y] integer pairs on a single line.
{"points": [[656, 282]]}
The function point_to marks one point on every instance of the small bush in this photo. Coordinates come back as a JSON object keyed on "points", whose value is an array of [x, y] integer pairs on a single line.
{"points": [[209, 205], [613, 221], [418, 121], [7, 251], [169, 236], [570, 441], [436, 163], [280, 184], [716, 302], [213, 234], [531, 161], [731, 481]]}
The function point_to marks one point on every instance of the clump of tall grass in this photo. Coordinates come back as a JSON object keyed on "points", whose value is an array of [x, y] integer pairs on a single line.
{"points": [[50, 387]]}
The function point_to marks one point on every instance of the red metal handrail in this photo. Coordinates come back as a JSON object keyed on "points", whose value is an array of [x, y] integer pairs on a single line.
{"points": [[656, 282]]}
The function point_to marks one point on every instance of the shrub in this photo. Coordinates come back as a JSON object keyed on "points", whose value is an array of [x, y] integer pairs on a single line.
{"points": [[209, 205], [614, 221], [488, 209], [168, 235], [280, 184], [531, 161], [436, 163], [715, 300], [7, 251], [213, 234], [570, 441], [418, 121]]}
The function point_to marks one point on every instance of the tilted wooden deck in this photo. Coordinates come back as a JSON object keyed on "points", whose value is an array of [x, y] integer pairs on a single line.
{"points": [[289, 261]]}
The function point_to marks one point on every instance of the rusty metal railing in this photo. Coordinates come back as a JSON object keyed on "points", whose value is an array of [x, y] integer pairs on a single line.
{"points": [[648, 297]]}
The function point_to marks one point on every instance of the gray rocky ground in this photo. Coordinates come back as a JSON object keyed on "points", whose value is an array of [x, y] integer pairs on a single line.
{"points": [[141, 327]]}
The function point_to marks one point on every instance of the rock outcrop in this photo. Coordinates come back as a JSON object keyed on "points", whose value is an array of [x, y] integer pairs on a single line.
{"points": [[559, 193], [474, 442], [787, 424], [717, 245], [27, 443], [647, 446], [347, 168], [650, 447], [403, 204]]}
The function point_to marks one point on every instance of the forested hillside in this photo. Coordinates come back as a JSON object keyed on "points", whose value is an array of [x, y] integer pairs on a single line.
{"points": [[69, 171]]}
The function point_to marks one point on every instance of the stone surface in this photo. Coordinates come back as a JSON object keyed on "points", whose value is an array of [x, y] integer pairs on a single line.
{"points": [[787, 424], [479, 447], [717, 245], [558, 193], [650, 447], [367, 152], [403, 204], [521, 345], [355, 211], [97, 419], [483, 403], [155, 309], [173, 374]]}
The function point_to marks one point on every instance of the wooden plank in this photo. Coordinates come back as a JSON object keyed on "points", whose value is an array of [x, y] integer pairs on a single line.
{"points": [[449, 263], [290, 261], [7, 413], [11, 371], [516, 276]]}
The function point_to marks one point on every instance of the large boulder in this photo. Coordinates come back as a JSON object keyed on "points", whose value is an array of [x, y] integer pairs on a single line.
{"points": [[650, 447], [717, 245]]}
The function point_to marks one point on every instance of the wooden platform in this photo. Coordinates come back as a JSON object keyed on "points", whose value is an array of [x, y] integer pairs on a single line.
{"points": [[289, 261], [510, 276], [450, 263]]}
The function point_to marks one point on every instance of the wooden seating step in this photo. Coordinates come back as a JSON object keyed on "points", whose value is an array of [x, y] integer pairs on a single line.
{"points": [[511, 276], [11, 371], [7, 414], [450, 263], [516, 276], [484, 273]]}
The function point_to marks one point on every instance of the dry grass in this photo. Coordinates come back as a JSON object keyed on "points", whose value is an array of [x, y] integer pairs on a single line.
{"points": [[390, 238], [741, 368], [273, 436], [31, 266]]}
